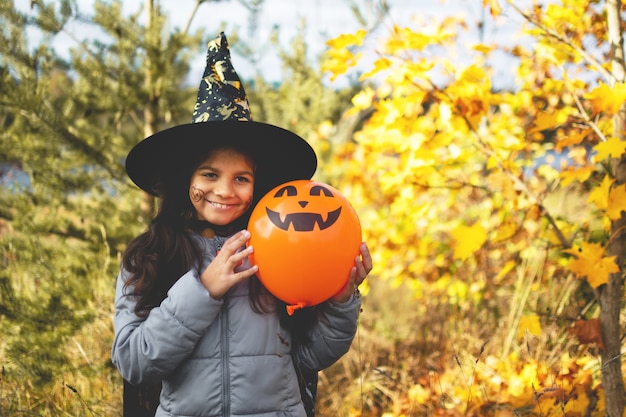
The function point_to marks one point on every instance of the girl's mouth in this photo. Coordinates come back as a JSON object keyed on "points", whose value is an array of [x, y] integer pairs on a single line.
{"points": [[219, 205]]}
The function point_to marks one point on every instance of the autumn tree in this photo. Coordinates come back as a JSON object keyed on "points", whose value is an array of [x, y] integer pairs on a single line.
{"points": [[461, 177]]}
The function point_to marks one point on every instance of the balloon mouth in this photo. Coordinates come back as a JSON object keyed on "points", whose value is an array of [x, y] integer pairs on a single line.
{"points": [[303, 222]]}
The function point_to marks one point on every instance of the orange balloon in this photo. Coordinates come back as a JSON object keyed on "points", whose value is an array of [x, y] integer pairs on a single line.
{"points": [[306, 236]]}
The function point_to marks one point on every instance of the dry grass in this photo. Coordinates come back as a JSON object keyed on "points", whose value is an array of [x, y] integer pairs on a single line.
{"points": [[425, 356]]}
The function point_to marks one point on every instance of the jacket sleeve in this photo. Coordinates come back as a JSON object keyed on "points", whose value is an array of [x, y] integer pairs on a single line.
{"points": [[145, 348], [331, 336]]}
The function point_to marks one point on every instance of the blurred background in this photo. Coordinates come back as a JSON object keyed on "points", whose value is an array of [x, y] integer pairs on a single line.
{"points": [[479, 141]]}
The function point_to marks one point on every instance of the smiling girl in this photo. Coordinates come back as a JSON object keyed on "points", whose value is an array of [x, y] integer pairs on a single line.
{"points": [[190, 313]]}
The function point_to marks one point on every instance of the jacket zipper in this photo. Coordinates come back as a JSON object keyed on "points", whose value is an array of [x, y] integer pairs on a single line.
{"points": [[225, 362]]}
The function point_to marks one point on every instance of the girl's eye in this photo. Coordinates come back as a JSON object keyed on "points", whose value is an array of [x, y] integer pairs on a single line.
{"points": [[242, 179], [210, 175]]}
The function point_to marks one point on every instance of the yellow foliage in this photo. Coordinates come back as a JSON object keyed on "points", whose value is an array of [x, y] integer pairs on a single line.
{"points": [[607, 99], [617, 202], [573, 137], [364, 99], [339, 57], [468, 239], [508, 267], [570, 18], [591, 263], [347, 39], [600, 195], [434, 157], [407, 39], [494, 7], [506, 230], [482, 48], [338, 61], [544, 121], [529, 323], [379, 65], [576, 174], [611, 148]]}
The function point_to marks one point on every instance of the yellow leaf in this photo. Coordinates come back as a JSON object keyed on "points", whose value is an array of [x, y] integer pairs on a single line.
{"points": [[406, 39], [505, 270], [468, 239], [337, 61], [607, 99], [529, 323], [494, 7], [576, 174], [419, 395], [613, 147], [543, 121], [505, 231], [364, 99], [572, 138], [379, 65], [482, 48], [591, 263], [600, 195], [346, 40], [339, 57], [617, 202]]}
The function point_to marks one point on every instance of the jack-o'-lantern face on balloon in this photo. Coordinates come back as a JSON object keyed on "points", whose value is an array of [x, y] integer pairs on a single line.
{"points": [[305, 212], [306, 236]]}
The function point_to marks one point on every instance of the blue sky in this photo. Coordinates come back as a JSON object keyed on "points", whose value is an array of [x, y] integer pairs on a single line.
{"points": [[329, 18], [324, 19]]}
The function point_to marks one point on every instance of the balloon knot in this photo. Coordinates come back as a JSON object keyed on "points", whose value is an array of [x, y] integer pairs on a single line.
{"points": [[292, 308]]}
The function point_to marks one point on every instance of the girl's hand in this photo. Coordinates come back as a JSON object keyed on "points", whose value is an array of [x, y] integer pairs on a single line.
{"points": [[362, 267], [220, 275]]}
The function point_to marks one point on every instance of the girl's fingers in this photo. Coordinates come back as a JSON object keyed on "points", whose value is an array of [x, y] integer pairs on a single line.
{"points": [[362, 264], [237, 259], [236, 241], [366, 258], [247, 273], [223, 272], [360, 271], [353, 274]]}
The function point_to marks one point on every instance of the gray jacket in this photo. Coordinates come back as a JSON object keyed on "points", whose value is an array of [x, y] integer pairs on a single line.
{"points": [[220, 358]]}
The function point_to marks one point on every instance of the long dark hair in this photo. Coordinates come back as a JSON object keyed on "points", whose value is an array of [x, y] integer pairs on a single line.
{"points": [[157, 258]]}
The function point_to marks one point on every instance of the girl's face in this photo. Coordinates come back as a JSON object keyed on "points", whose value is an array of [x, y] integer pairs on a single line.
{"points": [[222, 186]]}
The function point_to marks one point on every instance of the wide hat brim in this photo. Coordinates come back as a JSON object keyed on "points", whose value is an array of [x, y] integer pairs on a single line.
{"points": [[280, 155]]}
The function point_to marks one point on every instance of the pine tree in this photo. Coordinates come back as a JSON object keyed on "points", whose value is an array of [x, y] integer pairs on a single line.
{"points": [[68, 123]]}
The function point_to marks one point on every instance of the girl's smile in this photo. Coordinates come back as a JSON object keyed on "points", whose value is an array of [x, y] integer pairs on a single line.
{"points": [[222, 186]]}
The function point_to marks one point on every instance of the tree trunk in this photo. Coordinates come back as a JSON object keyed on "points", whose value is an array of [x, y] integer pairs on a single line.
{"points": [[610, 295]]}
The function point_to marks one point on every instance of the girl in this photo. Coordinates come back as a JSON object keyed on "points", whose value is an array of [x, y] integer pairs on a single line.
{"points": [[189, 310]]}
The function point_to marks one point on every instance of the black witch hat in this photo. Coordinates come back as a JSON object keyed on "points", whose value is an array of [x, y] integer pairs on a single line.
{"points": [[221, 117]]}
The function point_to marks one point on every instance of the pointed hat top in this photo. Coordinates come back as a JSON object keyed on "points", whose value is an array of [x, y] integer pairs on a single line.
{"points": [[221, 95]]}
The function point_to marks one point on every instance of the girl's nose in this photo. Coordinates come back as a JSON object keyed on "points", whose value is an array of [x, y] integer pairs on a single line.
{"points": [[224, 189]]}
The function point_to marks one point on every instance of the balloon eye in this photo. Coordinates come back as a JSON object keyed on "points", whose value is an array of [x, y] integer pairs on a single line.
{"points": [[289, 189], [317, 190]]}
